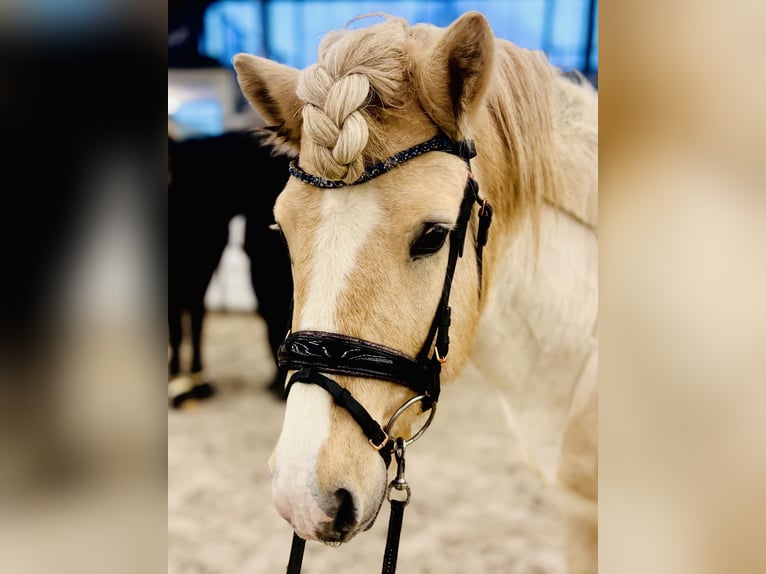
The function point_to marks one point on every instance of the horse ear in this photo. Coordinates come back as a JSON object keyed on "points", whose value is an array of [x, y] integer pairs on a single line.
{"points": [[453, 77], [270, 88]]}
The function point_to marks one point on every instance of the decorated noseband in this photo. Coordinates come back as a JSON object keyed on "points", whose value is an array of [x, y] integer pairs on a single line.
{"points": [[311, 353]]}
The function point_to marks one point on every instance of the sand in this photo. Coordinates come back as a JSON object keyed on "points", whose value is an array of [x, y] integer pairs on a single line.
{"points": [[475, 507]]}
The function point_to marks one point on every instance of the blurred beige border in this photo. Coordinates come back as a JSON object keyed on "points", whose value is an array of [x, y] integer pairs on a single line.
{"points": [[683, 248]]}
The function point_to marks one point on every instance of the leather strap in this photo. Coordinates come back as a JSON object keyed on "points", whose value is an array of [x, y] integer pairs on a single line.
{"points": [[296, 555], [482, 235], [344, 355], [442, 317], [378, 438], [390, 556], [391, 553]]}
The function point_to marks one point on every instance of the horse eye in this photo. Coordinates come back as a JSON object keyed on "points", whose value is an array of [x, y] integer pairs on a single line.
{"points": [[430, 241]]}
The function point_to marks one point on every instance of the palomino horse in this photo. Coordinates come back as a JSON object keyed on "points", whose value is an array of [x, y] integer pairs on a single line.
{"points": [[368, 254]]}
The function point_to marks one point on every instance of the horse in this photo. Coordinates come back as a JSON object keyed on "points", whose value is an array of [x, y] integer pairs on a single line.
{"points": [[209, 184], [367, 222]]}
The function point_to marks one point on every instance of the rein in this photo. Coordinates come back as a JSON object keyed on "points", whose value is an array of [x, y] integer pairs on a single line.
{"points": [[312, 353]]}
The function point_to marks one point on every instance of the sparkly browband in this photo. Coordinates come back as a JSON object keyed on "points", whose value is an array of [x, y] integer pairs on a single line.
{"points": [[437, 143]]}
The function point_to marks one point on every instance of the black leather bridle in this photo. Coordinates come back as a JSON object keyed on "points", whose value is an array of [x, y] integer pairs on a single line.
{"points": [[312, 353]]}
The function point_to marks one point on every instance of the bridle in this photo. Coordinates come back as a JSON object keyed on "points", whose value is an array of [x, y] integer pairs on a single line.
{"points": [[312, 353]]}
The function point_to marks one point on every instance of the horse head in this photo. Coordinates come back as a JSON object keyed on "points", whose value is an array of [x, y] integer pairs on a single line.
{"points": [[369, 256]]}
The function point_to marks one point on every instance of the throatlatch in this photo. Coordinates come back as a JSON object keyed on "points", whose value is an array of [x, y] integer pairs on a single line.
{"points": [[311, 353]]}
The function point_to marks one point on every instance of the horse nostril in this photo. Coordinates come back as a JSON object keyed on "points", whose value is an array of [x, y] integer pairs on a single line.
{"points": [[345, 519]]}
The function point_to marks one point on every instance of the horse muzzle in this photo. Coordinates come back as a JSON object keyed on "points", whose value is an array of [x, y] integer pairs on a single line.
{"points": [[332, 513], [326, 480]]}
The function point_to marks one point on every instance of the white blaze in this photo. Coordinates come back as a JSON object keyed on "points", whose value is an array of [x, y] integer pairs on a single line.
{"points": [[348, 218]]}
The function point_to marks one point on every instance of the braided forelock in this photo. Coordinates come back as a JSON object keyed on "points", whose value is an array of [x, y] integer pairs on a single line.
{"points": [[332, 119], [353, 66]]}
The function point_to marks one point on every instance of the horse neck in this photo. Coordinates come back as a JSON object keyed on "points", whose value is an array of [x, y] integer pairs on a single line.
{"points": [[536, 339], [544, 226], [574, 123]]}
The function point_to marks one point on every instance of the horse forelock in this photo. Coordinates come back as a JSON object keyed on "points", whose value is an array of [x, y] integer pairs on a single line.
{"points": [[360, 76]]}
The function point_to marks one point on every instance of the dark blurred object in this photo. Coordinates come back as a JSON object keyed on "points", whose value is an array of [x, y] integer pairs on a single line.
{"points": [[67, 111], [213, 179], [186, 19], [82, 248]]}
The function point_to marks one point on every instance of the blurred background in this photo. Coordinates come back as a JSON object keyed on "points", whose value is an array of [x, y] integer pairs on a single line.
{"points": [[204, 35]]}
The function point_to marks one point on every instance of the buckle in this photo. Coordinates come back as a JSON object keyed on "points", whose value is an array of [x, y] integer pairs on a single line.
{"points": [[383, 443], [485, 220]]}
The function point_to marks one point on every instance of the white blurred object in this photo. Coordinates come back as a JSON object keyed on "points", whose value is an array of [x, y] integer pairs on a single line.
{"points": [[230, 288]]}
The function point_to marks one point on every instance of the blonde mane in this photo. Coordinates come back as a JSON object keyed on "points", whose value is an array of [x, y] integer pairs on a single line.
{"points": [[518, 105]]}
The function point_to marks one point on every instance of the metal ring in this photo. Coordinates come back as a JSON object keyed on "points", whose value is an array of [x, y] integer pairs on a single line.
{"points": [[404, 407], [405, 489]]}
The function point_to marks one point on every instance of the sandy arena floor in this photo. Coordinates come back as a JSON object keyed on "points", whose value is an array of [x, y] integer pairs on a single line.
{"points": [[475, 509]]}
